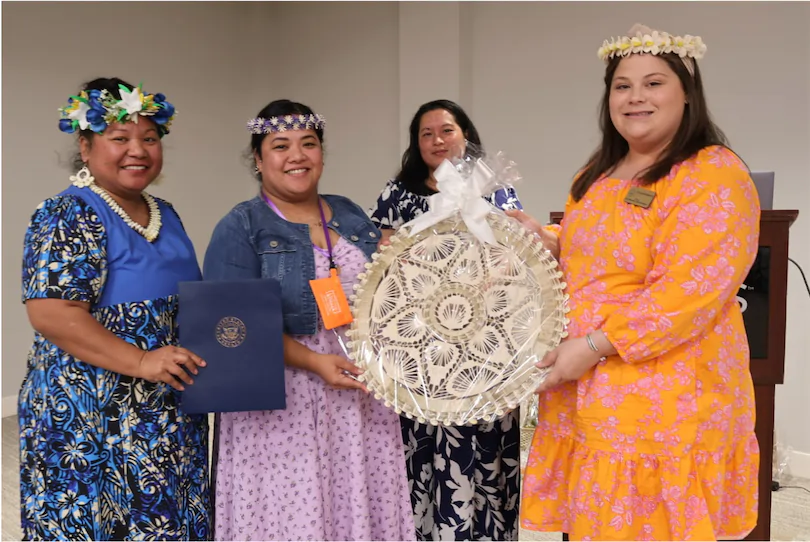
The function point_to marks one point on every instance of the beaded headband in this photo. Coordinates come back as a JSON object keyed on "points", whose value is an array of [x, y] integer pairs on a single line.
{"points": [[641, 39], [287, 122], [96, 109]]}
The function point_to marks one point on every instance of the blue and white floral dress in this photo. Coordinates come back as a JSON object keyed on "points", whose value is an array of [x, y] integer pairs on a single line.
{"points": [[104, 456], [464, 481]]}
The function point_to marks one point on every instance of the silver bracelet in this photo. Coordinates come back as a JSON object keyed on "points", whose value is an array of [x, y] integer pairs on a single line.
{"points": [[592, 346], [590, 342]]}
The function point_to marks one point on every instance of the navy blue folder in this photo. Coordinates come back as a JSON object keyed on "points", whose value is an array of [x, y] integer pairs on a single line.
{"points": [[236, 327]]}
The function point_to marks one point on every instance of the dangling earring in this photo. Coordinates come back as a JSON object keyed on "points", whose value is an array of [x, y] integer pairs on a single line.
{"points": [[82, 178]]}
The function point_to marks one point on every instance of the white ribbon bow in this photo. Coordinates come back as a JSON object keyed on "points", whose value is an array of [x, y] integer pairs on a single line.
{"points": [[457, 194]]}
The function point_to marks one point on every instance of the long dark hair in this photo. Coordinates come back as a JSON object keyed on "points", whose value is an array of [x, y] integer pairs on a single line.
{"points": [[414, 171], [697, 131]]}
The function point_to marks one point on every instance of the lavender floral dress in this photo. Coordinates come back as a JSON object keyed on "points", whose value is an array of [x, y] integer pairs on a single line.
{"points": [[329, 467]]}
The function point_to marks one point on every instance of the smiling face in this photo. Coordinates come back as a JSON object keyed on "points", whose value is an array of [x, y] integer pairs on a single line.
{"points": [[646, 102], [125, 158], [291, 164], [440, 137]]}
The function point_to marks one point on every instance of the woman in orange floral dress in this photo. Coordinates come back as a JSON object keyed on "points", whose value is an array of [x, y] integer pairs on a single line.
{"points": [[646, 422]]}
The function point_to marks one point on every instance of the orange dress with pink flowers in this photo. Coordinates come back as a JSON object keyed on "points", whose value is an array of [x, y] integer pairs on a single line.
{"points": [[657, 442]]}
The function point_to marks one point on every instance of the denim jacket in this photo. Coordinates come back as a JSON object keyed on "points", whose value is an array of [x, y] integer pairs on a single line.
{"points": [[252, 242]]}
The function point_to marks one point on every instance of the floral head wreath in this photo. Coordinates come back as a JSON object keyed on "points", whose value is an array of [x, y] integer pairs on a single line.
{"points": [[641, 39], [97, 109], [284, 123]]}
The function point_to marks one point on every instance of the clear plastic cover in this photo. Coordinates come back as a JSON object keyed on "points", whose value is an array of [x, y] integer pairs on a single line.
{"points": [[448, 327], [781, 461]]}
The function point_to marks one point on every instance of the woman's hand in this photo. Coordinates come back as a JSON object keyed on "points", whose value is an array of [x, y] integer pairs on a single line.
{"points": [[549, 240], [70, 326], [385, 236], [169, 364], [337, 372], [569, 361]]}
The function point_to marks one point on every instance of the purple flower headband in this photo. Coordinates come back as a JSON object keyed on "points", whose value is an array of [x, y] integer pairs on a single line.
{"points": [[287, 122]]}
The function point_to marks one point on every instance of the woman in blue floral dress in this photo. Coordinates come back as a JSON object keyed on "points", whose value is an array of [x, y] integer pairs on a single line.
{"points": [[106, 453], [464, 481]]}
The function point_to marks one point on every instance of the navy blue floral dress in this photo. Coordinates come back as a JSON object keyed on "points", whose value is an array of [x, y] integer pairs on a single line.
{"points": [[464, 481], [105, 456]]}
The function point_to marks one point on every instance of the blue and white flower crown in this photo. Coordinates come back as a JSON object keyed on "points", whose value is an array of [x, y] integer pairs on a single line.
{"points": [[96, 109], [260, 125]]}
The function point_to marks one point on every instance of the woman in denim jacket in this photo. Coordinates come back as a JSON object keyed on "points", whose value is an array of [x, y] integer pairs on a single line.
{"points": [[330, 466]]}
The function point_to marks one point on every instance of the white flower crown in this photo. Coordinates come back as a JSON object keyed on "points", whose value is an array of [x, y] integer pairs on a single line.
{"points": [[642, 39], [285, 123]]}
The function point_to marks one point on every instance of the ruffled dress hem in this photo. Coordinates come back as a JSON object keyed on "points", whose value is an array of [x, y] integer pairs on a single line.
{"points": [[594, 494]]}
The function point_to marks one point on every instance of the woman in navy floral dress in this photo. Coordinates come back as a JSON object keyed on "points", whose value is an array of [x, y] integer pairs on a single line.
{"points": [[464, 481], [105, 451]]}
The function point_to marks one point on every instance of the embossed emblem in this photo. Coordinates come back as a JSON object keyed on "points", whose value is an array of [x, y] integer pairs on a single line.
{"points": [[231, 332]]}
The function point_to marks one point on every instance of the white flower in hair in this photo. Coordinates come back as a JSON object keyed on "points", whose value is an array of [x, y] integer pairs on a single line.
{"points": [[132, 101], [607, 47], [679, 46], [650, 43], [698, 47], [80, 114], [689, 45], [666, 39], [637, 44], [624, 46]]}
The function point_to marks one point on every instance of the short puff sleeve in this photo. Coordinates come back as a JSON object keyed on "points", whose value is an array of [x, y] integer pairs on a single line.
{"points": [[64, 255]]}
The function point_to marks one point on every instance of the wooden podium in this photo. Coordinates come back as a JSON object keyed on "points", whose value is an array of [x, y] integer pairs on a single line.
{"points": [[764, 296]]}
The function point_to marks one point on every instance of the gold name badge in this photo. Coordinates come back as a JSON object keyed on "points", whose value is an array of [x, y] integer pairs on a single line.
{"points": [[640, 197]]}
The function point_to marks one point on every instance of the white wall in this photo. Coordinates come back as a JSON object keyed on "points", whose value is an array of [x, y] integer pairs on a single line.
{"points": [[345, 69], [198, 55], [527, 73]]}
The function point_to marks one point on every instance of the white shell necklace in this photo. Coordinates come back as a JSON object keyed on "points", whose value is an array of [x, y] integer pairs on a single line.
{"points": [[84, 179]]}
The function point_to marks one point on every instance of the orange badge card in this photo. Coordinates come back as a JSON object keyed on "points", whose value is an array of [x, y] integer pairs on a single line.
{"points": [[331, 301]]}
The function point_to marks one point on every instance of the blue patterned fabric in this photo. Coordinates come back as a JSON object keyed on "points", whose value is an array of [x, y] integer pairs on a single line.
{"points": [[464, 481], [398, 205], [104, 456]]}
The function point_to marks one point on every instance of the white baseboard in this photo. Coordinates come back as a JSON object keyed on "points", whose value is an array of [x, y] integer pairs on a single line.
{"points": [[9, 406], [799, 464]]}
